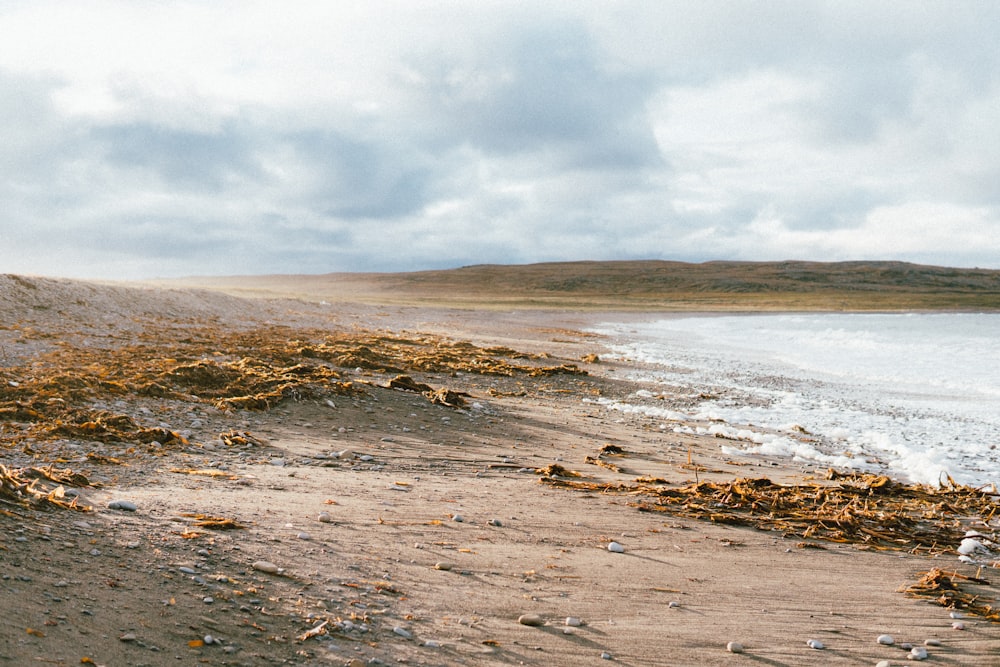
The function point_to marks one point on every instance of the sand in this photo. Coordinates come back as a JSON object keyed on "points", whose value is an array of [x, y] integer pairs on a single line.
{"points": [[395, 472]]}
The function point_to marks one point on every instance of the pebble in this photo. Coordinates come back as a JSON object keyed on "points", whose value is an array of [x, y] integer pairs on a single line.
{"points": [[932, 642], [402, 632], [304, 536], [458, 518], [430, 643], [324, 517], [187, 570], [886, 639], [495, 523], [734, 647], [443, 565], [124, 505], [883, 663], [917, 653], [531, 620], [573, 621], [673, 604], [208, 600], [606, 656], [615, 547], [958, 625], [816, 644], [266, 567], [128, 637], [209, 640]]}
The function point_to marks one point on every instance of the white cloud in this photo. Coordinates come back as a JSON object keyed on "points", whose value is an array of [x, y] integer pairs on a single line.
{"points": [[316, 136]]}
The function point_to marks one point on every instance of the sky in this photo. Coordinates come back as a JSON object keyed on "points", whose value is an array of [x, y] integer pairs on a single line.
{"points": [[164, 138]]}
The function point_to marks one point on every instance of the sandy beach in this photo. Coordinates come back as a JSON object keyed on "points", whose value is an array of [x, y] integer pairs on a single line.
{"points": [[305, 483]]}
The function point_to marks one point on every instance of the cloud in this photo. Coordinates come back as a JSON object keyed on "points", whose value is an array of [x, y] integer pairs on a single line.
{"points": [[224, 137]]}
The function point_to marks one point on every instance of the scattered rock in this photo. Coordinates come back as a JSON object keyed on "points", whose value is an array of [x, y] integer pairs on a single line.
{"points": [[615, 547], [266, 567], [324, 517], [606, 656], [304, 536], [887, 640], [127, 637], [816, 644], [917, 653], [495, 523], [402, 632], [443, 565], [932, 642], [532, 620], [124, 505], [573, 621], [734, 647], [958, 625]]}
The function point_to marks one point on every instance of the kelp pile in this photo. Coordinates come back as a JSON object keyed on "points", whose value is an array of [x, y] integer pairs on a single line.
{"points": [[33, 487], [870, 511], [63, 391], [946, 589]]}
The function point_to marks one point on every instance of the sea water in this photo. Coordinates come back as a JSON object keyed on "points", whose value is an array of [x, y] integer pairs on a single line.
{"points": [[915, 395]]}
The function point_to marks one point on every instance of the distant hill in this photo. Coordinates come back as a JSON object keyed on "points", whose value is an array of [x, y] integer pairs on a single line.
{"points": [[648, 285]]}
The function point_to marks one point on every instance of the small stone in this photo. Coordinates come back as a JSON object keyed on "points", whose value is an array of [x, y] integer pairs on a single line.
{"points": [[186, 570], [957, 614], [606, 656], [430, 643], [958, 625], [127, 637], [531, 620], [209, 640], [573, 621], [124, 505], [208, 600], [887, 640], [816, 644], [932, 642], [324, 517], [906, 646], [673, 604], [266, 567], [615, 547], [883, 663], [443, 565], [734, 647], [402, 632], [496, 523], [304, 536], [917, 653], [458, 518]]}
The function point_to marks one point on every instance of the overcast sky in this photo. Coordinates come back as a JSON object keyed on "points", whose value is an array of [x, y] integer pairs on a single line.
{"points": [[153, 139]]}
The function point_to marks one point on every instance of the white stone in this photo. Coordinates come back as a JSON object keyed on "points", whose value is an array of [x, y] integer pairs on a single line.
{"points": [[531, 620], [266, 567], [917, 653], [816, 644], [932, 642], [324, 517], [883, 663], [402, 632], [734, 647], [886, 639], [615, 547], [958, 625], [573, 621]]}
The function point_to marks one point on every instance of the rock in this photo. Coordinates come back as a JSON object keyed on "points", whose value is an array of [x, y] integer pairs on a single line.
{"points": [[266, 567], [209, 640], [304, 536], [208, 600], [324, 517], [402, 632], [573, 621], [615, 547], [606, 656], [458, 518], [958, 625], [816, 644], [734, 647], [495, 523], [917, 653], [673, 604], [883, 663], [128, 637], [531, 620], [932, 642], [430, 643], [124, 505], [443, 565], [887, 640], [187, 570]]}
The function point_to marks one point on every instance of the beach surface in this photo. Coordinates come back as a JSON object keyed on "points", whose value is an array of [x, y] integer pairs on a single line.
{"points": [[282, 481]]}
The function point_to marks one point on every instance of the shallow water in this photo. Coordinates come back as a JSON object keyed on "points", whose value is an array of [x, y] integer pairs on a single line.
{"points": [[916, 394]]}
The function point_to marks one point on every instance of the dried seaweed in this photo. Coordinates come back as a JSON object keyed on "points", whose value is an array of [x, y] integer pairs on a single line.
{"points": [[946, 589], [22, 487], [867, 510]]}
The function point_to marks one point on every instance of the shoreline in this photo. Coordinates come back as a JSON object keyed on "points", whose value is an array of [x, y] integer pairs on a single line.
{"points": [[391, 571]]}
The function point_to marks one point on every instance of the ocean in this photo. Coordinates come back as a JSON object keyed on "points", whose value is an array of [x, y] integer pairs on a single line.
{"points": [[915, 395]]}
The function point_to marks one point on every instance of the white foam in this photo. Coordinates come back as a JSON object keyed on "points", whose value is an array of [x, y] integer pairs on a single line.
{"points": [[916, 393]]}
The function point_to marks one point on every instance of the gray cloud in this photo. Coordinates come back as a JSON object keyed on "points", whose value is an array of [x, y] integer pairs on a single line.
{"points": [[462, 134]]}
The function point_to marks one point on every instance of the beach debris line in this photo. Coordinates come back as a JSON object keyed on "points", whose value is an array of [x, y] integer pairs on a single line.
{"points": [[951, 590]]}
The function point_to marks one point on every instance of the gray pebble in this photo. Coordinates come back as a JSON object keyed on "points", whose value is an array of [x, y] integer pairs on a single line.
{"points": [[124, 505]]}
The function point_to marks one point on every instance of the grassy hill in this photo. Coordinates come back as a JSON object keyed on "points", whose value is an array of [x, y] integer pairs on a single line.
{"points": [[649, 285]]}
